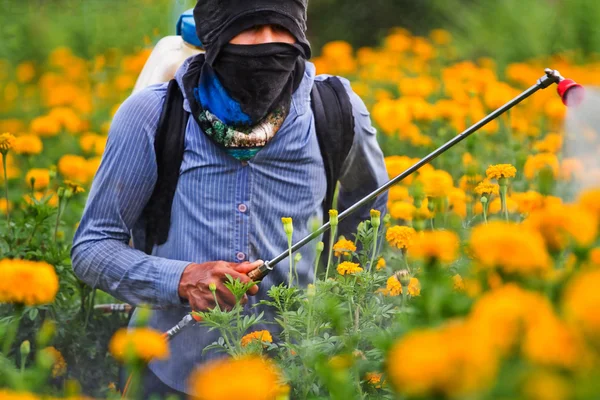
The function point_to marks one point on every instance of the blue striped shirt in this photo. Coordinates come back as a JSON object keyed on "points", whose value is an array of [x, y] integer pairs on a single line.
{"points": [[223, 209]]}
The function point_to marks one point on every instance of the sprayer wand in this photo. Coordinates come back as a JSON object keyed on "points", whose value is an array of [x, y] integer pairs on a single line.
{"points": [[571, 94]]}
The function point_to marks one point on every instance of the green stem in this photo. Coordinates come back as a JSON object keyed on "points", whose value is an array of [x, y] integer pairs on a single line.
{"points": [[371, 266], [333, 232], [31, 235], [503, 190], [317, 259], [6, 191], [11, 331], [90, 308], [290, 277]]}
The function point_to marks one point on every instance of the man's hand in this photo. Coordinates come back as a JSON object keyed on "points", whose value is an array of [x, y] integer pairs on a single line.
{"points": [[196, 278]]}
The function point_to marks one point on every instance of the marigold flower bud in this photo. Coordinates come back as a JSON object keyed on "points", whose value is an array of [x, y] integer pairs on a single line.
{"points": [[333, 218], [25, 349], [320, 247], [311, 291], [375, 218], [297, 257], [212, 287], [403, 277], [288, 226]]}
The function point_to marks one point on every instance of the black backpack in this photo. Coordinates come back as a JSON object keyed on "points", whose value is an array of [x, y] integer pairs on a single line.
{"points": [[334, 125]]}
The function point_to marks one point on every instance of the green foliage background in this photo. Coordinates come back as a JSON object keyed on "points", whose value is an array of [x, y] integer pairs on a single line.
{"points": [[507, 30]]}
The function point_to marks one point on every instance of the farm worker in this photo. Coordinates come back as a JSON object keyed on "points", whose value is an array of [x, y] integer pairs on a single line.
{"points": [[250, 156]]}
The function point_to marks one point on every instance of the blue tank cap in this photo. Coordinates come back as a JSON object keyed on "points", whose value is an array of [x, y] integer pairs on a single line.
{"points": [[186, 28]]}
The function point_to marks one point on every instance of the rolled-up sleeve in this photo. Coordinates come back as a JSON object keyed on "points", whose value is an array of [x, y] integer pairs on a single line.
{"points": [[364, 169], [124, 182]]}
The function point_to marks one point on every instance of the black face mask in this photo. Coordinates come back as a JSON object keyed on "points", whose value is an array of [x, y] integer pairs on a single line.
{"points": [[261, 78]]}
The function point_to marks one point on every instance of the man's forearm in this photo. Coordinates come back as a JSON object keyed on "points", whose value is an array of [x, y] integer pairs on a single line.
{"points": [[128, 274]]}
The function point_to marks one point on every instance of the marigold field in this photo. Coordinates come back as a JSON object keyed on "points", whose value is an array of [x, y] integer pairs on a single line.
{"points": [[486, 287]]}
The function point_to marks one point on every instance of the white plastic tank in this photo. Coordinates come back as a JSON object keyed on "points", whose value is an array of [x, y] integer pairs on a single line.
{"points": [[170, 53]]}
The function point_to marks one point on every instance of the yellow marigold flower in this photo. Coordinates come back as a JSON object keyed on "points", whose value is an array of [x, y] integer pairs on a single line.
{"points": [[503, 314], [348, 268], [138, 344], [25, 72], [258, 336], [40, 177], [468, 183], [45, 126], [496, 205], [454, 361], [487, 188], [537, 162], [28, 145], [7, 141], [528, 202], [437, 183], [594, 257], [73, 187], [590, 200], [402, 210], [255, 378], [400, 237], [581, 302], [512, 248], [397, 193], [499, 171], [344, 247], [394, 288], [59, 365], [552, 143], [374, 379], [380, 264], [561, 225], [549, 342], [435, 245], [74, 168], [440, 36], [27, 282]]}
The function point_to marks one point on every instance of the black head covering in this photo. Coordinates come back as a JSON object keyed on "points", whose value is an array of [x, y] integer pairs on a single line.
{"points": [[219, 21]]}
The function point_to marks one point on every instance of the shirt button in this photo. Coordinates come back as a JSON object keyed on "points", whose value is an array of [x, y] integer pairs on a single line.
{"points": [[242, 208], [240, 256]]}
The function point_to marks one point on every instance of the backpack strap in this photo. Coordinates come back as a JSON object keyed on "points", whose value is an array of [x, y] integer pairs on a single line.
{"points": [[169, 145], [334, 124]]}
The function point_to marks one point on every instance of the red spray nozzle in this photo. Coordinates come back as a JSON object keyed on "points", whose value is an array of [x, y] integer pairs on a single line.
{"points": [[571, 93]]}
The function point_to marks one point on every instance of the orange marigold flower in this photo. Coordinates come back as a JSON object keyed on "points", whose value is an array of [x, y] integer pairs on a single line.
{"points": [[499, 171], [344, 247], [402, 210], [537, 162], [7, 141], [39, 176], [27, 282], [394, 287], [400, 237], [590, 200], [435, 245], [142, 344], [581, 303], [59, 365], [256, 378], [258, 336], [28, 145], [437, 183], [348, 268], [487, 188]]}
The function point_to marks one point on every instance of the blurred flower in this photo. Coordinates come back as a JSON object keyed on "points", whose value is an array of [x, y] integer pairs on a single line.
{"points": [[552, 143], [402, 210], [348, 268], [28, 145], [499, 171], [537, 162], [510, 247], [458, 282], [453, 361], [400, 237], [73, 167], [581, 302], [258, 336], [59, 365], [380, 264], [590, 200], [27, 282], [436, 183], [45, 126], [561, 225], [20, 395], [546, 385], [528, 201], [374, 379], [435, 245], [129, 344], [256, 378], [73, 187], [344, 247], [440, 36], [40, 178]]}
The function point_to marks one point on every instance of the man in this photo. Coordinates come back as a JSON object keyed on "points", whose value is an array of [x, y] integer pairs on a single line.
{"points": [[253, 84]]}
